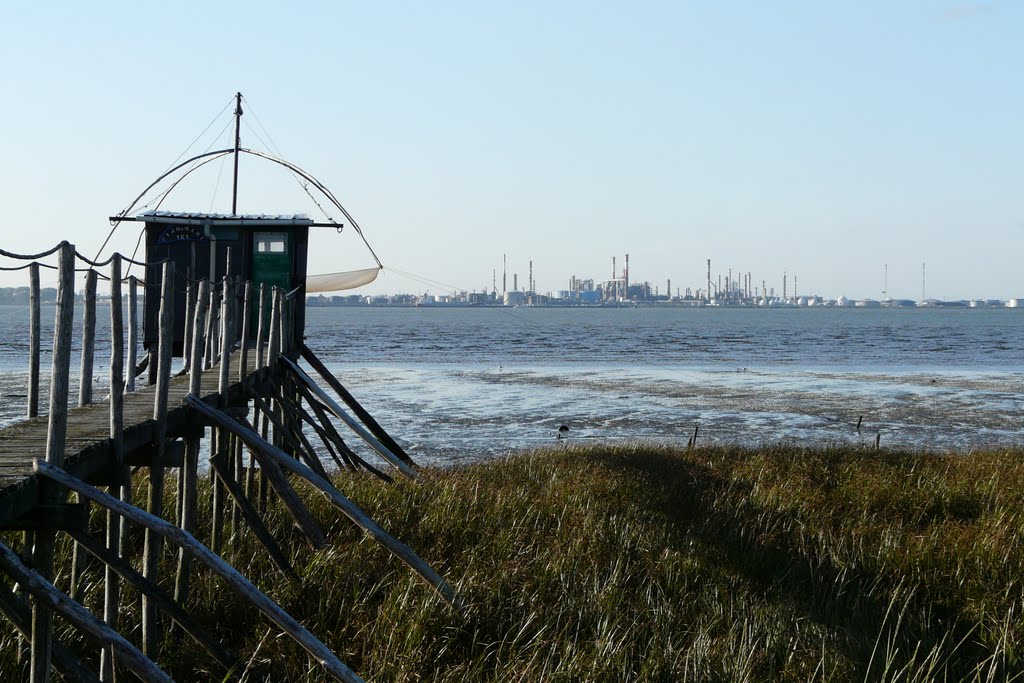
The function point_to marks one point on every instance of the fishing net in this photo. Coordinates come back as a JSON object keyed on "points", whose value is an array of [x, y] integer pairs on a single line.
{"points": [[335, 282]]}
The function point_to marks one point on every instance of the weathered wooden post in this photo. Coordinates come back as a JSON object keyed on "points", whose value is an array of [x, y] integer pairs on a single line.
{"points": [[33, 339], [88, 339], [111, 581], [28, 537], [85, 396], [133, 331], [258, 422], [42, 619], [187, 339], [243, 372], [190, 468], [224, 447], [151, 553], [261, 328], [273, 351], [211, 326], [243, 347]]}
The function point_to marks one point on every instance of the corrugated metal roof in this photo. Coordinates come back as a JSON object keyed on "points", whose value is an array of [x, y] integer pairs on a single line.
{"points": [[222, 219]]}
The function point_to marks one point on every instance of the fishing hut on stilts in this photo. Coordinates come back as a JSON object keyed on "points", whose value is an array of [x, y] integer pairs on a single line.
{"points": [[223, 301]]}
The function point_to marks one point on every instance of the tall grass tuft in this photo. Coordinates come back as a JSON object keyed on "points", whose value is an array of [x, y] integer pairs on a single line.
{"points": [[637, 563]]}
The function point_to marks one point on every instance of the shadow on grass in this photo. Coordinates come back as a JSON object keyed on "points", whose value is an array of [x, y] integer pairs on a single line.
{"points": [[865, 609]]}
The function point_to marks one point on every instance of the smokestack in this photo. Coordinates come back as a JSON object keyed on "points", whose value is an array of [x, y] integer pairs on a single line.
{"points": [[504, 274], [615, 285], [794, 286], [531, 276], [626, 275], [708, 290], [668, 288], [515, 282], [783, 286]]}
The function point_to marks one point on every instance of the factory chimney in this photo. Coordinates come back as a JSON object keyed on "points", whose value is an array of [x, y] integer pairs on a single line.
{"points": [[783, 286], [504, 274], [515, 282], [626, 276], [531, 276], [707, 292], [615, 285]]}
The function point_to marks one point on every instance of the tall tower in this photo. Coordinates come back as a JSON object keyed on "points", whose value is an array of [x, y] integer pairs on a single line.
{"points": [[783, 286], [625, 276], [504, 274], [707, 292], [531, 277], [615, 285]]}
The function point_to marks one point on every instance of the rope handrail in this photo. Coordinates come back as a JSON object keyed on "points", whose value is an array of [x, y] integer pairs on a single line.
{"points": [[31, 257], [124, 259], [27, 265]]}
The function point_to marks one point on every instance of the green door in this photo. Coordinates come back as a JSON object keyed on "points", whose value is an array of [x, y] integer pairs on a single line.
{"points": [[272, 264]]}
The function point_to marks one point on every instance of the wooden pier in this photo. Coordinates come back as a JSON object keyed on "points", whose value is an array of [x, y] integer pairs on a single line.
{"points": [[242, 389]]}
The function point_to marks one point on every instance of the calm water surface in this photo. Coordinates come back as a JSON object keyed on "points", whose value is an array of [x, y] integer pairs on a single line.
{"points": [[457, 384]]}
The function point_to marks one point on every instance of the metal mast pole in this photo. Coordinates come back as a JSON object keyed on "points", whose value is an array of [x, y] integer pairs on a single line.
{"points": [[238, 144]]}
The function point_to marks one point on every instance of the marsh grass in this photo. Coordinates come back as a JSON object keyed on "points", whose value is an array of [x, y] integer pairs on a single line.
{"points": [[647, 564]]}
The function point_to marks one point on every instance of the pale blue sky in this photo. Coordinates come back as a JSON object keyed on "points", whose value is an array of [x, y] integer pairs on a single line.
{"points": [[820, 139]]}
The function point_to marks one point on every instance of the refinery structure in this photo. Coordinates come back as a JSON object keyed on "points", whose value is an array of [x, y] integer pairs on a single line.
{"points": [[720, 289]]}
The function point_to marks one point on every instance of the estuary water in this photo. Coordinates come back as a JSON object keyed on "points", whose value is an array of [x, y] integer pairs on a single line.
{"points": [[457, 384]]}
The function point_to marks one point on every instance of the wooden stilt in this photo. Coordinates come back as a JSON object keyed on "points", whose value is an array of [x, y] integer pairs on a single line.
{"points": [[85, 395], [224, 445], [42, 619], [133, 331], [270, 454], [157, 596], [111, 583], [288, 435], [370, 440], [44, 592], [190, 468], [253, 518], [275, 478], [190, 303], [151, 552], [232, 577], [33, 340], [16, 611], [357, 409]]}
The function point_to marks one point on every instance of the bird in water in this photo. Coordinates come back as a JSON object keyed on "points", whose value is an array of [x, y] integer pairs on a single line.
{"points": [[563, 431]]}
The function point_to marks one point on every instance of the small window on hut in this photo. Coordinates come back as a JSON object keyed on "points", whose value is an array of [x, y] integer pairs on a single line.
{"points": [[271, 243]]}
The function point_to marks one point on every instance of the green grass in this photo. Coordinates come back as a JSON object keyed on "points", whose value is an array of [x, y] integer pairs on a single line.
{"points": [[647, 564]]}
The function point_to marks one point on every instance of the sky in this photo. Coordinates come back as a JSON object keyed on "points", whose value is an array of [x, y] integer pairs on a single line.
{"points": [[821, 140]]}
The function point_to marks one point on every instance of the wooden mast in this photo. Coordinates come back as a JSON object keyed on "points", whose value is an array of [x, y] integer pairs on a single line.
{"points": [[238, 144]]}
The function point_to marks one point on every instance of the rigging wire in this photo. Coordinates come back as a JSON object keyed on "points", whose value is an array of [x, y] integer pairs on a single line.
{"points": [[273, 147], [117, 223], [216, 185], [208, 126], [196, 163]]}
